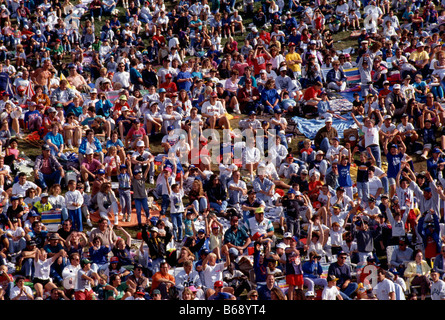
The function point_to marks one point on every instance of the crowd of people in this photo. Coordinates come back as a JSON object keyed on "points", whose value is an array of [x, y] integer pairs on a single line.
{"points": [[128, 119]]}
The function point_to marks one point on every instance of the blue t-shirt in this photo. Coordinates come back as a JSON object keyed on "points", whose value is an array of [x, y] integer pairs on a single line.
{"points": [[30, 115], [118, 143], [55, 139], [393, 164], [420, 86], [197, 74], [134, 75], [99, 256], [344, 175], [186, 84]]}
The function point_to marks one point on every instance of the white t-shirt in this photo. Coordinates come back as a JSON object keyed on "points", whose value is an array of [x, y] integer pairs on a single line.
{"points": [[123, 78], [83, 284], [145, 155], [42, 268], [15, 233], [176, 204], [216, 109], [438, 290], [409, 126], [17, 188], [371, 135], [69, 275], [330, 293], [340, 218], [212, 274], [386, 129], [336, 237], [15, 291], [260, 227], [333, 151], [282, 121], [383, 289], [252, 155], [374, 184]]}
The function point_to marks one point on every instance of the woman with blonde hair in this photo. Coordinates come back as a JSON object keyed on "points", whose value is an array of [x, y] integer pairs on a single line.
{"points": [[252, 295], [206, 67], [187, 294]]}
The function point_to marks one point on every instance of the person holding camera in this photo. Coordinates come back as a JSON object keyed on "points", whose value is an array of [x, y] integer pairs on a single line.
{"points": [[260, 56]]}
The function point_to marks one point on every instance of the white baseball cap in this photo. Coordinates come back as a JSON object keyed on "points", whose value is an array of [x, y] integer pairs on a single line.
{"points": [[281, 245], [287, 235]]}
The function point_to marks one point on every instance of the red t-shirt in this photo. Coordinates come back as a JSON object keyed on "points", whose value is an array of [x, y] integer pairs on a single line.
{"points": [[134, 134], [93, 166], [46, 167], [384, 92], [311, 93], [431, 248], [170, 88], [259, 63]]}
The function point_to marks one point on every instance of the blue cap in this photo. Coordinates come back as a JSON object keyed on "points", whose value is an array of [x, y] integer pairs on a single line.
{"points": [[251, 112], [101, 171], [201, 231], [33, 213], [169, 128], [393, 271], [154, 220], [123, 166], [291, 191], [436, 150], [427, 189], [393, 146], [278, 111], [162, 90]]}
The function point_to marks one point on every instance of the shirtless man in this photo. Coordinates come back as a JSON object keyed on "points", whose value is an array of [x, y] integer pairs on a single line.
{"points": [[42, 76], [76, 80]]}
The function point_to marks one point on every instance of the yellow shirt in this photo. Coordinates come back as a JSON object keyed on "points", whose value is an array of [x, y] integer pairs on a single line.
{"points": [[419, 56], [294, 56]]}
